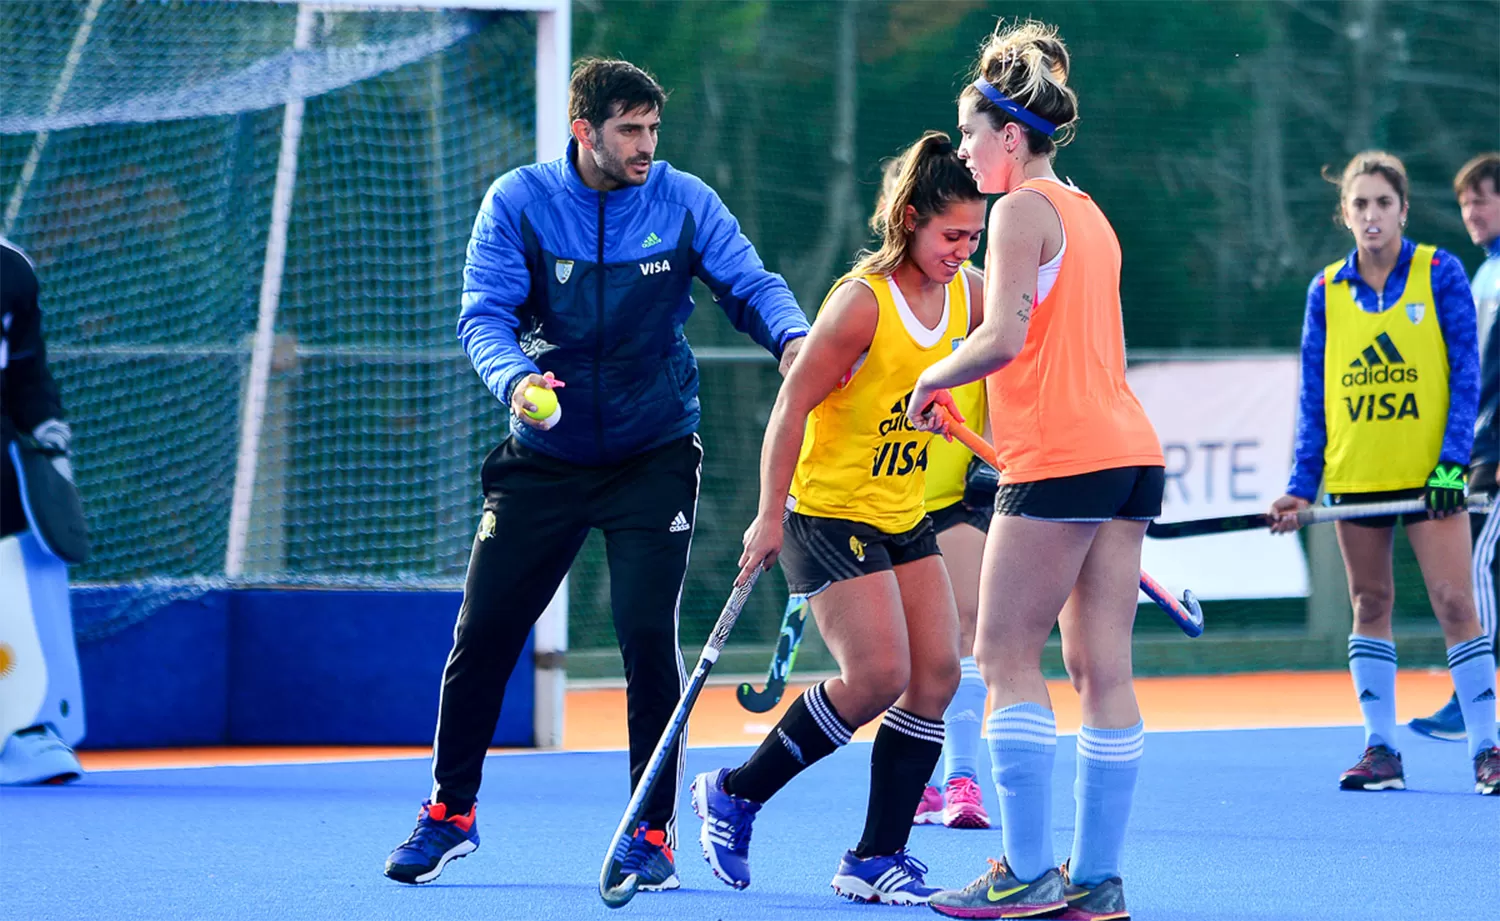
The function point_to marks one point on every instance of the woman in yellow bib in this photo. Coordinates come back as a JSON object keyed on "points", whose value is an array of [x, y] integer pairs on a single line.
{"points": [[841, 504], [1390, 385]]}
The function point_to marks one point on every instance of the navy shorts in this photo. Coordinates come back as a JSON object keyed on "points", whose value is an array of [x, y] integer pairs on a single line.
{"points": [[1389, 495], [1100, 495], [818, 552], [959, 513]]}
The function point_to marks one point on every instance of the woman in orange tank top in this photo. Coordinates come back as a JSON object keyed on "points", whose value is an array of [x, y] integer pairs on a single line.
{"points": [[1083, 474]]}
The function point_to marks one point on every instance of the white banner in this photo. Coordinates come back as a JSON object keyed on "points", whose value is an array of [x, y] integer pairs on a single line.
{"points": [[1226, 429]]}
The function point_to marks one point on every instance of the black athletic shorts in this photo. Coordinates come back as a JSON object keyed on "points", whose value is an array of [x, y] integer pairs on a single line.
{"points": [[1389, 495], [961, 512], [818, 552], [1101, 495]]}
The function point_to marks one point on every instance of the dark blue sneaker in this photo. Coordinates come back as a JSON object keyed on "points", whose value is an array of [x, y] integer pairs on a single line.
{"points": [[726, 828], [437, 839], [650, 860], [898, 879], [1447, 724]]}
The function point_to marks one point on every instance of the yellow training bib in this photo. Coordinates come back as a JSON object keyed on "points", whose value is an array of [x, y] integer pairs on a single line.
{"points": [[1385, 385], [861, 460]]}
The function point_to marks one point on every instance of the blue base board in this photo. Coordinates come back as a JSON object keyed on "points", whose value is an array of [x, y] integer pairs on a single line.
{"points": [[282, 667]]}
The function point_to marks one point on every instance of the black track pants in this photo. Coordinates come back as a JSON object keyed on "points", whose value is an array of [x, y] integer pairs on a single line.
{"points": [[537, 512]]}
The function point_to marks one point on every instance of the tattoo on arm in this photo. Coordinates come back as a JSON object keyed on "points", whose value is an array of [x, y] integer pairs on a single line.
{"points": [[1025, 312]]}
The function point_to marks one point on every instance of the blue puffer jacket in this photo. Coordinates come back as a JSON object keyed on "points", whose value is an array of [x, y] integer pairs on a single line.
{"points": [[595, 287]]}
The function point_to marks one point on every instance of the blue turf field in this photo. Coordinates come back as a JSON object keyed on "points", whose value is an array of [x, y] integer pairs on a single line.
{"points": [[1227, 825]]}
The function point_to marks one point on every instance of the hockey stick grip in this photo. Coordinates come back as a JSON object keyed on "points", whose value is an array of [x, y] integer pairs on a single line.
{"points": [[1317, 514]]}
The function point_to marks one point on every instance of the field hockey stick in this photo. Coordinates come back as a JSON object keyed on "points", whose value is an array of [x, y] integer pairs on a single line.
{"points": [[1313, 514], [1186, 611], [792, 624], [617, 895]]}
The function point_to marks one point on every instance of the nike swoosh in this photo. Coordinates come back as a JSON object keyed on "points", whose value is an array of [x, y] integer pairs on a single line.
{"points": [[997, 896]]}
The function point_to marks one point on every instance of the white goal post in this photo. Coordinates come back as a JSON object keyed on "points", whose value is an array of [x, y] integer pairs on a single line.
{"points": [[553, 65]]}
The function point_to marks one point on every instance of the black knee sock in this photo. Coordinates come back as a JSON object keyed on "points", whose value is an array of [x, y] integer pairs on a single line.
{"points": [[810, 730], [907, 748]]}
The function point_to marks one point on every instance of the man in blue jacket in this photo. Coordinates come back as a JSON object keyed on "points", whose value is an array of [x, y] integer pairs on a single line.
{"points": [[582, 267], [1477, 187]]}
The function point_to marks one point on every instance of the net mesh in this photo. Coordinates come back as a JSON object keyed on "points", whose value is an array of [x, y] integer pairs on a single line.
{"points": [[146, 206]]}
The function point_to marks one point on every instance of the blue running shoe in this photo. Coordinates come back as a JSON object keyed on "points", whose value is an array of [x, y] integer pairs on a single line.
{"points": [[726, 828], [1447, 724], [895, 880], [437, 839], [650, 860]]}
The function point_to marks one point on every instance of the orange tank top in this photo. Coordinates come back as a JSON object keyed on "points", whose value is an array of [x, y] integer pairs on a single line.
{"points": [[1062, 407]]}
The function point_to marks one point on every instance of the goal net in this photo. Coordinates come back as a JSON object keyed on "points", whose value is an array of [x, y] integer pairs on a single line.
{"points": [[143, 152]]}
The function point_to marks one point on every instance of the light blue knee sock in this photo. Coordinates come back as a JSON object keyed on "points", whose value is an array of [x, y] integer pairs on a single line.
{"points": [[961, 724], [1023, 746], [1108, 762], [1372, 662], [1472, 666]]}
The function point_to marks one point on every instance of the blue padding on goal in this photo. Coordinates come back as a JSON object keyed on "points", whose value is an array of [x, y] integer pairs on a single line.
{"points": [[293, 667], [161, 682], [351, 667]]}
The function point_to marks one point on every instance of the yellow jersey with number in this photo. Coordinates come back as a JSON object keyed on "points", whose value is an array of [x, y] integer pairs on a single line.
{"points": [[861, 459], [1385, 385], [948, 461]]}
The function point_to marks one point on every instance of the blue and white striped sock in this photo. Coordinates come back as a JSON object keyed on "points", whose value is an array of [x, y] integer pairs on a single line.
{"points": [[1472, 665], [1108, 762], [1372, 662], [1023, 747], [962, 722]]}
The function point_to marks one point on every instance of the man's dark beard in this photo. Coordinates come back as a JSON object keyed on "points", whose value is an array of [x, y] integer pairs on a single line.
{"points": [[615, 168]]}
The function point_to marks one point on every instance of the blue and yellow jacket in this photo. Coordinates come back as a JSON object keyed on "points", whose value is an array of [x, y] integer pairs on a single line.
{"points": [[1455, 314], [595, 287]]}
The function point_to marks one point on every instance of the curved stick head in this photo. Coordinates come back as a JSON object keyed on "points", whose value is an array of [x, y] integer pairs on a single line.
{"points": [[1194, 612], [760, 701], [620, 896]]}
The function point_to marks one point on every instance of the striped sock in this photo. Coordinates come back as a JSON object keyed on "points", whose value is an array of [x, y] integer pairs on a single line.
{"points": [[810, 730], [1472, 665], [906, 748], [1108, 762], [1023, 747], [1372, 662], [962, 722]]}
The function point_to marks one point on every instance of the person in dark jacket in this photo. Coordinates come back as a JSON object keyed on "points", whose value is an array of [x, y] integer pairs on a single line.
{"points": [[1477, 187], [41, 692], [581, 268]]}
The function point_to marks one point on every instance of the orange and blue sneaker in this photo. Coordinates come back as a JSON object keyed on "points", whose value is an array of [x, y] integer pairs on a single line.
{"points": [[998, 894], [1104, 902], [898, 879], [437, 839], [930, 808], [650, 860], [1379, 769], [965, 807], [1487, 772]]}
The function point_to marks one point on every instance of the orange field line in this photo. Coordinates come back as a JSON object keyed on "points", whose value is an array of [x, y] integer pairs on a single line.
{"points": [[596, 717]]}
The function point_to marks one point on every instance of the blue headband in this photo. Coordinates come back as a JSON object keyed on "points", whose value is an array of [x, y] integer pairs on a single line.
{"points": [[1014, 108]]}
